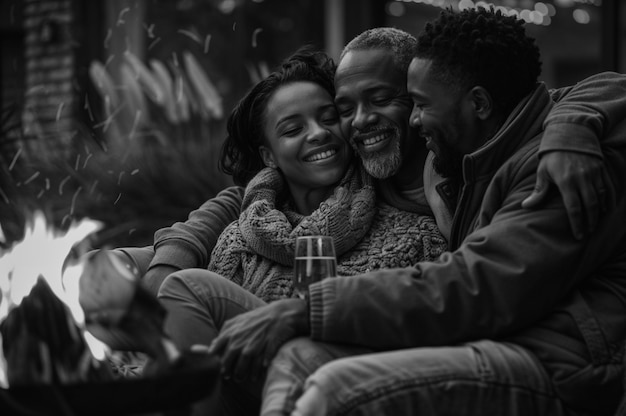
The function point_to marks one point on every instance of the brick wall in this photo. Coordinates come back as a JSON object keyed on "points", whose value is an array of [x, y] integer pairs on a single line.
{"points": [[50, 103]]}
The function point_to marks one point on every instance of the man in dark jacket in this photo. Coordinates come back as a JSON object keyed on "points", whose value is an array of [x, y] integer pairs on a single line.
{"points": [[518, 318]]}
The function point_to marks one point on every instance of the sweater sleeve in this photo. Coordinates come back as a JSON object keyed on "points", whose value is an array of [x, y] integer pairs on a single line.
{"points": [[189, 244], [584, 113]]}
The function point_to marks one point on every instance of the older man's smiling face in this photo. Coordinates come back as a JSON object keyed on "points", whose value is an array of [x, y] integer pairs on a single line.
{"points": [[374, 108]]}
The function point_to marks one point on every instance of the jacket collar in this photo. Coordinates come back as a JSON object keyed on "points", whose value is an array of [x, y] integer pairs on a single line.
{"points": [[523, 124]]}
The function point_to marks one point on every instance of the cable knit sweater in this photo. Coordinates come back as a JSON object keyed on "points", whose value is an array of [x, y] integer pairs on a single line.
{"points": [[257, 250]]}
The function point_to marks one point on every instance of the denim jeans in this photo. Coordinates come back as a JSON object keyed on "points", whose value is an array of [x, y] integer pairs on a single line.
{"points": [[198, 303], [478, 378]]}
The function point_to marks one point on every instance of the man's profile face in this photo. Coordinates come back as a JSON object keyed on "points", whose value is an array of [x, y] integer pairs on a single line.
{"points": [[443, 117], [374, 110]]}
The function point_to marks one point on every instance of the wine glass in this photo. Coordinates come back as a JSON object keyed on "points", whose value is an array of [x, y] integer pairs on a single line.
{"points": [[315, 260]]}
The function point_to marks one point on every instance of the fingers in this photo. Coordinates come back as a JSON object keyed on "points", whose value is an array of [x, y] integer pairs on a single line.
{"points": [[574, 209], [248, 366], [229, 358], [537, 196], [239, 361], [571, 199]]}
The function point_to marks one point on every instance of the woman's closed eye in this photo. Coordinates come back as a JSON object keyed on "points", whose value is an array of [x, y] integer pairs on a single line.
{"points": [[291, 130]]}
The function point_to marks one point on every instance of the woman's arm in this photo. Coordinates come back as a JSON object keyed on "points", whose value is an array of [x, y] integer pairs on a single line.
{"points": [[189, 244]]}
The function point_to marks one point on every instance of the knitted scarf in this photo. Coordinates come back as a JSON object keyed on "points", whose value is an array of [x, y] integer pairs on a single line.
{"points": [[259, 247], [257, 251], [270, 232]]}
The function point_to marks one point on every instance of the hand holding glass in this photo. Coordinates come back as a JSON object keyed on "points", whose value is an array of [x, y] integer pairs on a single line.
{"points": [[315, 260]]}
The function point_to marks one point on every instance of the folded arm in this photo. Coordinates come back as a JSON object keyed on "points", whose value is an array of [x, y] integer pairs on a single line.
{"points": [[510, 272], [570, 152]]}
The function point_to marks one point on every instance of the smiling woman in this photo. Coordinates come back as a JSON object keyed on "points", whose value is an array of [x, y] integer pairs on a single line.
{"points": [[284, 144], [303, 141]]}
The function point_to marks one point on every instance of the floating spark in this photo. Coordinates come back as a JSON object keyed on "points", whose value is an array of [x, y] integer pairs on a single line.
{"points": [[254, 36], [31, 178], [14, 160], [59, 111], [74, 197], [193, 36], [120, 17], [154, 42], [107, 38], [62, 184], [149, 30], [207, 42], [87, 160]]}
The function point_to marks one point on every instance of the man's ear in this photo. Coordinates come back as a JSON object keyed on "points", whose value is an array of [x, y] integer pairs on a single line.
{"points": [[482, 102], [267, 156]]}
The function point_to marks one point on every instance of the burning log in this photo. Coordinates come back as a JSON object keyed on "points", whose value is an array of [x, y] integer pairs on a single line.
{"points": [[121, 312], [43, 345]]}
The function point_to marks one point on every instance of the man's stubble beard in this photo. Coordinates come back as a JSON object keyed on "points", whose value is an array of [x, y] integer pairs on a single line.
{"points": [[383, 165], [449, 162], [450, 167]]}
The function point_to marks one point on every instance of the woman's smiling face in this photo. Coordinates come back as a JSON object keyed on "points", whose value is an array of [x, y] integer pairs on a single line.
{"points": [[303, 137]]}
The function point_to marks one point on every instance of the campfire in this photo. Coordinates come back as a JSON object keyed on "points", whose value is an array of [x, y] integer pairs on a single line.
{"points": [[40, 317], [60, 309]]}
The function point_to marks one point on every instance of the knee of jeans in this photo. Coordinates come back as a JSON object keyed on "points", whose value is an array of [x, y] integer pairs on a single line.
{"points": [[187, 279], [295, 349], [285, 377], [299, 357]]}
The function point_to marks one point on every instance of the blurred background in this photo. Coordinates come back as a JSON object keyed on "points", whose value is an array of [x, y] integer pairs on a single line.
{"points": [[115, 109]]}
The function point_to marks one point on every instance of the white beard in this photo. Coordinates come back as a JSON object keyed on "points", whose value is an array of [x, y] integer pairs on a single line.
{"points": [[383, 165]]}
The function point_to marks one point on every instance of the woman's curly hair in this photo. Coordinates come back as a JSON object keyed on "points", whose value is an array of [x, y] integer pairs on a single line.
{"points": [[482, 47], [240, 152]]}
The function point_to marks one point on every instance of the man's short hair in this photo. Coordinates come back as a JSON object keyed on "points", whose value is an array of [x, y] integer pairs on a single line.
{"points": [[480, 47], [399, 42]]}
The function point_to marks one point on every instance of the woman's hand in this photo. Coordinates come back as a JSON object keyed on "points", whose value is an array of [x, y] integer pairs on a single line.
{"points": [[248, 342]]}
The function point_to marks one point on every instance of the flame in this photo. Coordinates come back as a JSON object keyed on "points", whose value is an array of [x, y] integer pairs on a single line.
{"points": [[43, 252]]}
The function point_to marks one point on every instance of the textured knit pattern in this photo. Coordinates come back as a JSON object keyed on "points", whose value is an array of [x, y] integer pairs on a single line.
{"points": [[257, 251], [270, 227], [395, 239]]}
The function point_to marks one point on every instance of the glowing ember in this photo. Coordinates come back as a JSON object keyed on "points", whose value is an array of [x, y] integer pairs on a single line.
{"points": [[43, 253]]}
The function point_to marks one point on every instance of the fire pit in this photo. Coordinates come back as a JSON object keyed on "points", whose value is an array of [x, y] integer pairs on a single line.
{"points": [[171, 392], [48, 365]]}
